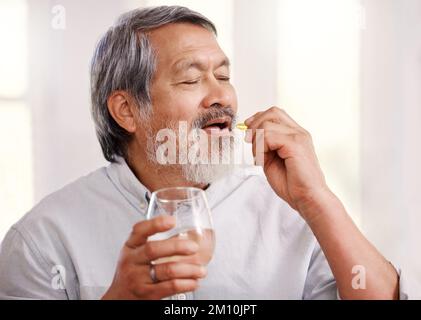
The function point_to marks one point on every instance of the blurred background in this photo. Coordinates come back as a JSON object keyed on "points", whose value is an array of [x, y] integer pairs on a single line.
{"points": [[348, 71]]}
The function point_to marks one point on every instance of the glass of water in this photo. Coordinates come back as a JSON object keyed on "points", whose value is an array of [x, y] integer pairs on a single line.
{"points": [[193, 218]]}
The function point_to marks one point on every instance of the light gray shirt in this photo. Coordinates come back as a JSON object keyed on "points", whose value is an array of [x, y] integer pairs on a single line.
{"points": [[67, 246]]}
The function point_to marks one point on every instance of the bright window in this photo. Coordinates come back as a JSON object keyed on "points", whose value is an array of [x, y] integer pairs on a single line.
{"points": [[319, 84], [15, 122]]}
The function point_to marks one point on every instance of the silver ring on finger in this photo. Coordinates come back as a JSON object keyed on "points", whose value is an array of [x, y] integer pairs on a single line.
{"points": [[152, 273]]}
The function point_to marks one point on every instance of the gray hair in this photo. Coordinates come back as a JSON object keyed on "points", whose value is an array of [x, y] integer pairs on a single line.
{"points": [[125, 60]]}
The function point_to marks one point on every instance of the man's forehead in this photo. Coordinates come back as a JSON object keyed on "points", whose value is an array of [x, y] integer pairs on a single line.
{"points": [[180, 46]]}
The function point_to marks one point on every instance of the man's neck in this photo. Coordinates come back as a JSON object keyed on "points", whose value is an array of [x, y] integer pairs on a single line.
{"points": [[155, 177]]}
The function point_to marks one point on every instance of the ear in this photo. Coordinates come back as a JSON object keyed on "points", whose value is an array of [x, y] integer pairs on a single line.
{"points": [[122, 109]]}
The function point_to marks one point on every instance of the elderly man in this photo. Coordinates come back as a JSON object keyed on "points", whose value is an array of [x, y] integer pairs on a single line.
{"points": [[280, 235]]}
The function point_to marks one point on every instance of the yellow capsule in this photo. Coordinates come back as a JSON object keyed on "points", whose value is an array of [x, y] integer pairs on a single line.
{"points": [[241, 126]]}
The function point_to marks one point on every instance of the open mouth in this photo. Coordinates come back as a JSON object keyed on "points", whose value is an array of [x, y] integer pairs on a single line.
{"points": [[218, 125]]}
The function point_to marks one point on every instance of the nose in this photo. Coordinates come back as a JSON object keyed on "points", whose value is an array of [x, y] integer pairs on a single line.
{"points": [[218, 94]]}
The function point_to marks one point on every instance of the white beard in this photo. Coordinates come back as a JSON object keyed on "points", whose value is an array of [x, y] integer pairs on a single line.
{"points": [[200, 173], [205, 173]]}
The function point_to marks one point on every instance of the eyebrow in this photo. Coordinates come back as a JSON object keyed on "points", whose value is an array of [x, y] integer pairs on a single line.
{"points": [[186, 64]]}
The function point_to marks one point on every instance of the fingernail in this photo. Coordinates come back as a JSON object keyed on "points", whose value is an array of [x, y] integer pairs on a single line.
{"points": [[203, 271]]}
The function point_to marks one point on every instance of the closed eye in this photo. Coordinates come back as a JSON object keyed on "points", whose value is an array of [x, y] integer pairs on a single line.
{"points": [[191, 81], [224, 78]]}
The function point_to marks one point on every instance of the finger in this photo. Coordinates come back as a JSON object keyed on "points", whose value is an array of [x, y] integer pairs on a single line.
{"points": [[169, 271], [263, 120], [272, 114], [258, 136], [145, 289], [171, 287], [269, 125], [286, 145], [142, 230], [250, 119], [154, 250], [274, 137], [289, 119], [178, 270]]}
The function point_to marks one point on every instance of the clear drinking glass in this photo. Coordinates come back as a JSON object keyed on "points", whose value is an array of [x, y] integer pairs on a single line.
{"points": [[193, 217]]}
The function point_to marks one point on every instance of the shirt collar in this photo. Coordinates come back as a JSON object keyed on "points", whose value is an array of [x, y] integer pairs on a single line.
{"points": [[221, 189], [129, 186]]}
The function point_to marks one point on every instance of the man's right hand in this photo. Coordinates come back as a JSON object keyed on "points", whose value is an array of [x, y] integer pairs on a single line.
{"points": [[132, 279]]}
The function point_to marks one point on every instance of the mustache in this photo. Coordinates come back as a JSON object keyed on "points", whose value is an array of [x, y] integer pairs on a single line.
{"points": [[214, 113]]}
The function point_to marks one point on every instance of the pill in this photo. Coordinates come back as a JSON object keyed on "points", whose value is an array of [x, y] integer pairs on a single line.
{"points": [[241, 126]]}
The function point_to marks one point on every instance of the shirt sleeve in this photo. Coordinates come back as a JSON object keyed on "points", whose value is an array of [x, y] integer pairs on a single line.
{"points": [[24, 273], [320, 283], [408, 290]]}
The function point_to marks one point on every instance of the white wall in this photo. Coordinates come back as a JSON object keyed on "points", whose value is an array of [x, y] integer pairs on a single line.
{"points": [[255, 55], [64, 142], [391, 128]]}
